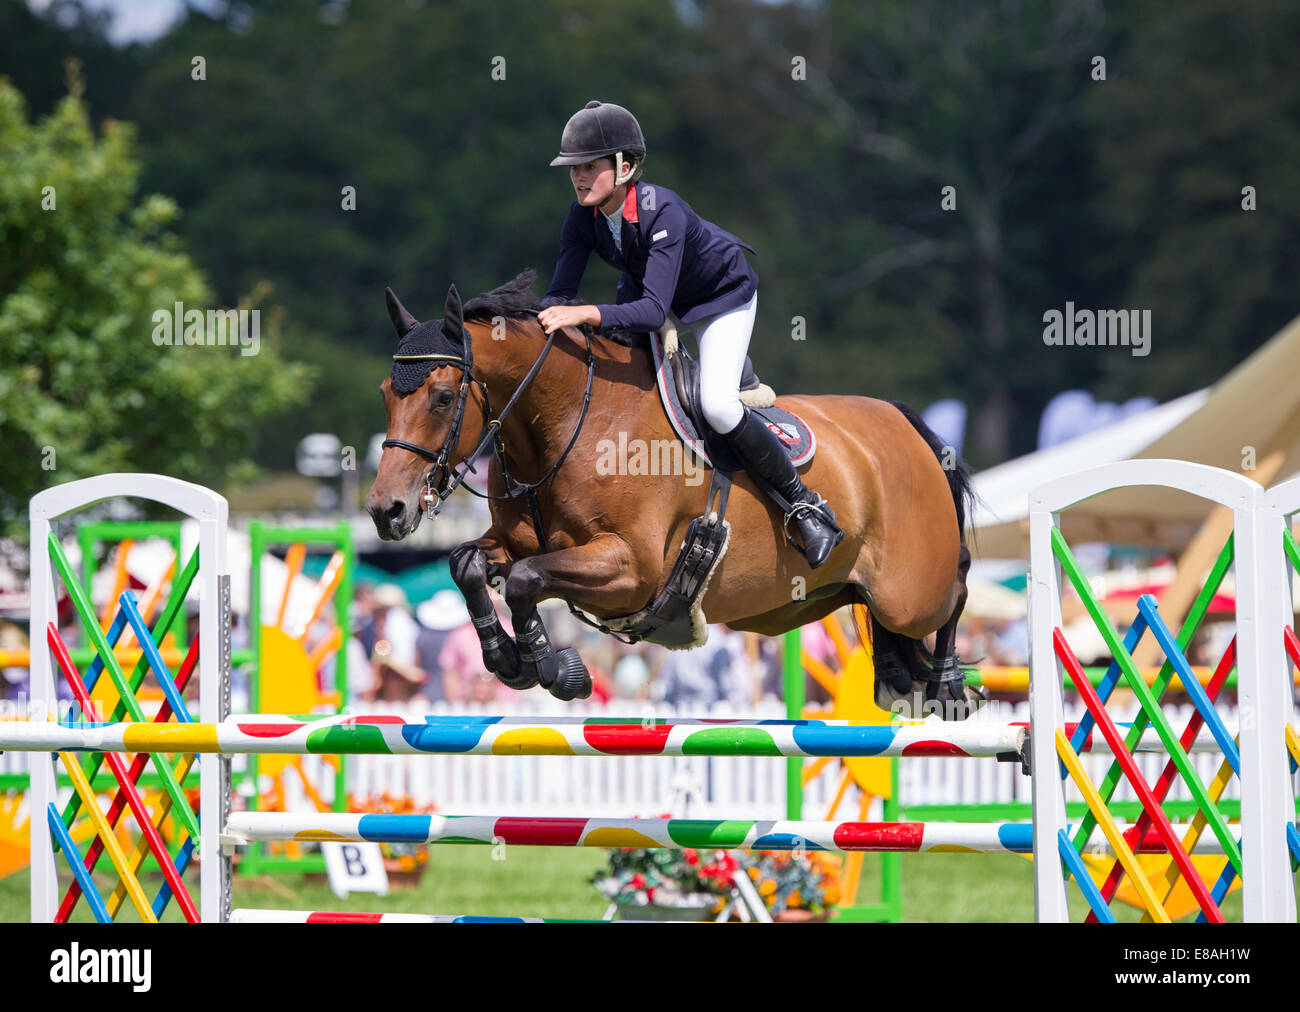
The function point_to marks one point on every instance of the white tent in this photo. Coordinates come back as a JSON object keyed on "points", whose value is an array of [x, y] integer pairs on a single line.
{"points": [[1002, 506]]}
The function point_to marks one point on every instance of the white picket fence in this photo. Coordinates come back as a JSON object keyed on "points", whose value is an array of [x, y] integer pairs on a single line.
{"points": [[695, 786]]}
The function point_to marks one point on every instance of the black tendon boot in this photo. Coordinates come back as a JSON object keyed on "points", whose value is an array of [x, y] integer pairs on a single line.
{"points": [[764, 456]]}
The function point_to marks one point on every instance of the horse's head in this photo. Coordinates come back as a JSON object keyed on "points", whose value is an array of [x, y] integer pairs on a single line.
{"points": [[434, 415]]}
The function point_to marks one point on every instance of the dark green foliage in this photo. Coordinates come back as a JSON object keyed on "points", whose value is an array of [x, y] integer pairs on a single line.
{"points": [[85, 262], [1123, 193]]}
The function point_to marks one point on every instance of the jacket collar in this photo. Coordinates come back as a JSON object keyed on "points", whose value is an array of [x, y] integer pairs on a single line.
{"points": [[629, 205]]}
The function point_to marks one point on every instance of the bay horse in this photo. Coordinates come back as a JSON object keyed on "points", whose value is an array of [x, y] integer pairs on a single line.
{"points": [[605, 543]]}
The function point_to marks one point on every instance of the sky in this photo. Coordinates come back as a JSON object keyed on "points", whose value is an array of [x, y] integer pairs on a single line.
{"points": [[133, 20], [144, 20]]}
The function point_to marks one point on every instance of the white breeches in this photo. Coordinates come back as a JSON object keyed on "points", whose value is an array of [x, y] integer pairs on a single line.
{"points": [[724, 342]]}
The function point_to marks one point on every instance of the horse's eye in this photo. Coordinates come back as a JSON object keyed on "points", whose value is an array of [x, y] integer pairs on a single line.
{"points": [[444, 398]]}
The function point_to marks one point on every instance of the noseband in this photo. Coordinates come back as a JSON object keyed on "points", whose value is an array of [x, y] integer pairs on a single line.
{"points": [[453, 477]]}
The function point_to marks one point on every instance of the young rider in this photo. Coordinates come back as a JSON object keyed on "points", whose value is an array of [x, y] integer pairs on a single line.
{"points": [[672, 259]]}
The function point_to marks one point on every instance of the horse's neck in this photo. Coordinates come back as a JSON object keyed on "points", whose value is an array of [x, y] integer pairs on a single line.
{"points": [[539, 426]]}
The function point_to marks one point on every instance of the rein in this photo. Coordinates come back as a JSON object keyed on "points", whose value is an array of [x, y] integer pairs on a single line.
{"points": [[436, 496]]}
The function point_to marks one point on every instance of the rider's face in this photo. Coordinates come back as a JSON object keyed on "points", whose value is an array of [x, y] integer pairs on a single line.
{"points": [[593, 182]]}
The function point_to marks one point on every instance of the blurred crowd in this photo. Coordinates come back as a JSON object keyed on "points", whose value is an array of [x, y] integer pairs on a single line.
{"points": [[993, 642], [431, 654]]}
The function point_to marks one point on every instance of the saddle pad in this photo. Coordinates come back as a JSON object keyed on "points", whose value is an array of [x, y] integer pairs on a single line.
{"points": [[793, 432]]}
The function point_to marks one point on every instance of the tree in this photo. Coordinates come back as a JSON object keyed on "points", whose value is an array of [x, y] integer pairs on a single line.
{"points": [[863, 115], [85, 264], [441, 118], [1203, 101]]}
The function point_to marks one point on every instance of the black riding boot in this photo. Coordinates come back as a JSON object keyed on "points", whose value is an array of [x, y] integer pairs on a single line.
{"points": [[763, 455]]}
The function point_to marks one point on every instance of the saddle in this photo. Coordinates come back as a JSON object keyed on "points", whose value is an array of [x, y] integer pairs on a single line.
{"points": [[675, 618], [678, 378]]}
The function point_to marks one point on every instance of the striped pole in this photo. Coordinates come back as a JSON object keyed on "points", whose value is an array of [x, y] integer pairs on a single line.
{"points": [[704, 834], [390, 735], [1016, 679], [250, 916]]}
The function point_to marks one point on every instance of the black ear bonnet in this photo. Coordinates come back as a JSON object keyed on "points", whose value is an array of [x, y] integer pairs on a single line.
{"points": [[423, 347]]}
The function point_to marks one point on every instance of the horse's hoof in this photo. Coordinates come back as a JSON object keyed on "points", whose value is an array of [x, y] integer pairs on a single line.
{"points": [[526, 678], [950, 696], [974, 699], [503, 661], [893, 681], [918, 703], [572, 680]]}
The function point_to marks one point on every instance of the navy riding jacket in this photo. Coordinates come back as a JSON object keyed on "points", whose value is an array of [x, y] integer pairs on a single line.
{"points": [[671, 259]]}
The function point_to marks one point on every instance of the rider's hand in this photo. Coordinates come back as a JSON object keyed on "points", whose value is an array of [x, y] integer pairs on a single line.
{"points": [[555, 317]]}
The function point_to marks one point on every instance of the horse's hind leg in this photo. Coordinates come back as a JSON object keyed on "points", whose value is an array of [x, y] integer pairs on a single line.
{"points": [[945, 639], [914, 681], [956, 695]]}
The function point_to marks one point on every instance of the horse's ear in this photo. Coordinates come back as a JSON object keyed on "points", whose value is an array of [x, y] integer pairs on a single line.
{"points": [[403, 321], [453, 321]]}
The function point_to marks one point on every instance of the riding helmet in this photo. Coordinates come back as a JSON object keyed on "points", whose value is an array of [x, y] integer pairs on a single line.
{"points": [[598, 130]]}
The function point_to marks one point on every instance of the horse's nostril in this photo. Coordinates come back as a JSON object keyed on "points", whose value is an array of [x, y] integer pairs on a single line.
{"points": [[397, 508]]}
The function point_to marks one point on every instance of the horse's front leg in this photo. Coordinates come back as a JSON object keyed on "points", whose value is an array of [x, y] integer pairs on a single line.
{"points": [[473, 564], [604, 564]]}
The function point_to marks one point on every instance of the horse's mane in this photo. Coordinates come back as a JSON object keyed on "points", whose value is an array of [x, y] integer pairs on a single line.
{"points": [[515, 300]]}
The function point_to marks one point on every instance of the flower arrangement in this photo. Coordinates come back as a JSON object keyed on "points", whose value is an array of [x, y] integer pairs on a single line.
{"points": [[702, 881], [398, 857], [685, 880], [789, 881]]}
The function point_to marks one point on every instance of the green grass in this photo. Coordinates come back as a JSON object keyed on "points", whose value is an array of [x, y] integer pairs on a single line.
{"points": [[553, 882]]}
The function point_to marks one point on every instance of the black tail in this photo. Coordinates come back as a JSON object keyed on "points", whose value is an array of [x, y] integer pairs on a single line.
{"points": [[959, 480]]}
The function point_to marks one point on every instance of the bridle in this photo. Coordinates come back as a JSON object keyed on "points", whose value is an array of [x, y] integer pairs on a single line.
{"points": [[452, 477]]}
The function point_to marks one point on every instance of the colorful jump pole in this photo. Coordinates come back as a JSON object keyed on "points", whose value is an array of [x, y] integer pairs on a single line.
{"points": [[248, 916], [389, 735], [705, 834], [386, 734], [1016, 679]]}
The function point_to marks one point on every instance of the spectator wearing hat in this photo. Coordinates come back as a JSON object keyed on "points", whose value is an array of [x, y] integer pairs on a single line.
{"points": [[439, 617], [390, 642], [704, 676], [467, 680]]}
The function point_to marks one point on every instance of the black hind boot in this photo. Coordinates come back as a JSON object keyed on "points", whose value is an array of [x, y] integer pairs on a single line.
{"points": [[765, 458]]}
